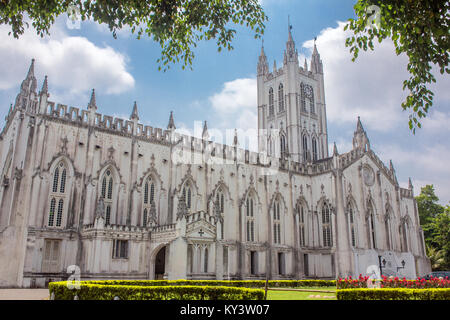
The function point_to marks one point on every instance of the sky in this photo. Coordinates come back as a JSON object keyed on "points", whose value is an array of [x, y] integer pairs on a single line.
{"points": [[221, 87]]}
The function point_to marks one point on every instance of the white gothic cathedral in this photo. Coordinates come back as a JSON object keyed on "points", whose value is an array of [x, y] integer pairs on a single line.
{"points": [[108, 198]]}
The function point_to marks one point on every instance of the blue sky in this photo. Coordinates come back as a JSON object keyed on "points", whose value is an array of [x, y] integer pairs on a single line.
{"points": [[221, 88]]}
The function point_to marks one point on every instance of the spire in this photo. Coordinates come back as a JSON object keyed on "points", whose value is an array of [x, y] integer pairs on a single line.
{"points": [[360, 139], [235, 140], [171, 125], [205, 134], [335, 150], [263, 66], [134, 114], [92, 104], [316, 62], [306, 66], [290, 54], [410, 186], [44, 89], [391, 166], [31, 69], [274, 65]]}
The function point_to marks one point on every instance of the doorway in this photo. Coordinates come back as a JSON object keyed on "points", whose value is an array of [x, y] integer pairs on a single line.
{"points": [[160, 264]]}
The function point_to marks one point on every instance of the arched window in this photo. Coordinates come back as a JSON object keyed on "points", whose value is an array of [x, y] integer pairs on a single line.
{"points": [[149, 199], [371, 226], [57, 196], [387, 229], [282, 144], [326, 226], [205, 265], [404, 235], [280, 98], [302, 97], [250, 218], [311, 103], [220, 201], [187, 196], [276, 222], [351, 220], [305, 147], [107, 194], [301, 224], [314, 149], [271, 108]]}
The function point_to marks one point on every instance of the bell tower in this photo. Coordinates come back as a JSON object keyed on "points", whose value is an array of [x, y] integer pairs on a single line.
{"points": [[291, 107]]}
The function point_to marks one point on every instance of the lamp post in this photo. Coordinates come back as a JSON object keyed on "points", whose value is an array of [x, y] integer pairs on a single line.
{"points": [[403, 265]]}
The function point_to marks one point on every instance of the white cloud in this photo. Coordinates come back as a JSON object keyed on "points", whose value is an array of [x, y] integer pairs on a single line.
{"points": [[74, 65], [236, 104], [370, 87]]}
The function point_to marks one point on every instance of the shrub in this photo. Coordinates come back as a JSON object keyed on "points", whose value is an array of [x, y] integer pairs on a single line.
{"points": [[393, 294], [393, 282], [108, 291], [226, 283]]}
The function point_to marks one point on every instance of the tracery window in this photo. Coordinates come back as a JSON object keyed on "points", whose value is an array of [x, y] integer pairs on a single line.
{"points": [[57, 196], [301, 224], [326, 226], [271, 107], [314, 149], [149, 198], [280, 98], [250, 219], [305, 147], [107, 194], [371, 222], [351, 219], [187, 196], [276, 222]]}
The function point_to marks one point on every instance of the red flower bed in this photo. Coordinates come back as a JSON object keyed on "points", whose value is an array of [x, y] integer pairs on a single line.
{"points": [[391, 282]]}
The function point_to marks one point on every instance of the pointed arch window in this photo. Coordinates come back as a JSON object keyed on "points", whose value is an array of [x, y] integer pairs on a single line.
{"points": [[305, 147], [314, 149], [250, 219], [387, 229], [57, 196], [107, 194], [280, 98], [301, 224], [187, 196], [371, 227], [276, 222], [149, 199], [302, 98], [326, 226], [220, 200], [351, 220], [271, 107], [283, 143]]}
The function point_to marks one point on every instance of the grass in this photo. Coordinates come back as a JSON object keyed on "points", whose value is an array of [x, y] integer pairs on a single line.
{"points": [[303, 295]]}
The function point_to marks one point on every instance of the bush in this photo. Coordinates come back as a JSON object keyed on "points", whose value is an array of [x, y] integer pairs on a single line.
{"points": [[393, 294], [226, 283], [106, 290]]}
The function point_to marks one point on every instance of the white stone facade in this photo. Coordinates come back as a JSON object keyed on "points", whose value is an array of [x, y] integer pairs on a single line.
{"points": [[121, 200]]}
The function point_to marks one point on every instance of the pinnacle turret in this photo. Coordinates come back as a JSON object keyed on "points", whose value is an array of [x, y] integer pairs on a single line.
{"points": [[92, 103], [205, 134], [44, 89], [335, 150], [360, 139], [316, 62], [134, 113], [263, 66], [290, 54], [171, 125]]}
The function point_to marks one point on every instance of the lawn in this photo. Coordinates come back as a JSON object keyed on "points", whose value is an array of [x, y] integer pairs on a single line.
{"points": [[302, 295]]}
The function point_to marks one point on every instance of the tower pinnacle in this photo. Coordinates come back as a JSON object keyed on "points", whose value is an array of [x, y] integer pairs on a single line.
{"points": [[134, 113], [92, 104], [171, 125]]}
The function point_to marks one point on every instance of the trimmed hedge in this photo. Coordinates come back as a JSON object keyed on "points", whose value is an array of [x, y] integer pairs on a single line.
{"points": [[108, 291], [393, 294], [226, 283]]}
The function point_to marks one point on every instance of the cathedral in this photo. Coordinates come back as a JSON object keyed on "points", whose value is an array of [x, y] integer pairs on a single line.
{"points": [[98, 197]]}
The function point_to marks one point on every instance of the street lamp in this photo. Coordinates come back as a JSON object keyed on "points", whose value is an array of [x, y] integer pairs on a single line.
{"points": [[403, 265]]}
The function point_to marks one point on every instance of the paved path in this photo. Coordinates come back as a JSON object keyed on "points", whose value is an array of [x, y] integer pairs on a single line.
{"points": [[23, 294]]}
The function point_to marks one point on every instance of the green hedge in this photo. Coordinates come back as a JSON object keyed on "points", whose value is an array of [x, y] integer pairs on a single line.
{"points": [[393, 294], [108, 291], [226, 283]]}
